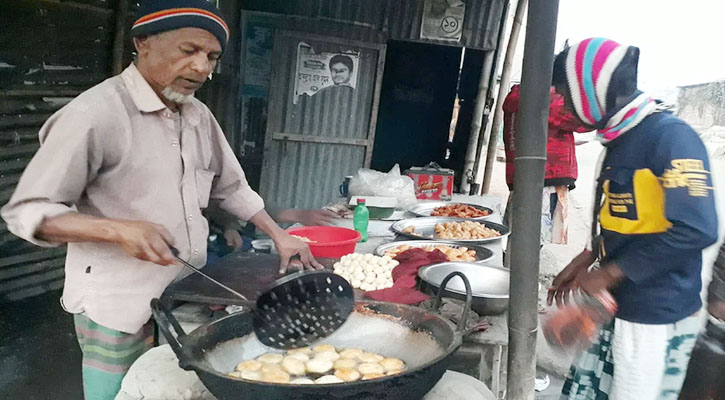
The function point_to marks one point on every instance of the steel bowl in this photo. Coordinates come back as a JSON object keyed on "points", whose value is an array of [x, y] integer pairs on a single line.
{"points": [[490, 285], [426, 228], [426, 208], [482, 253]]}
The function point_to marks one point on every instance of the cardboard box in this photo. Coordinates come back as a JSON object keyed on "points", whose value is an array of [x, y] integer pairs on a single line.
{"points": [[432, 182]]}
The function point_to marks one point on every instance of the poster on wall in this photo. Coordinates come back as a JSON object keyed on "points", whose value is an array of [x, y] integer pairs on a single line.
{"points": [[257, 60], [317, 72], [442, 20]]}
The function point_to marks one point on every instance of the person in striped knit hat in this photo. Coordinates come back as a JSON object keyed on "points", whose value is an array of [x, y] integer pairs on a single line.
{"points": [[123, 173], [654, 212]]}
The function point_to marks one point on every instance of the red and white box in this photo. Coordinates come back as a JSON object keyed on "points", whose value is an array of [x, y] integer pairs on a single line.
{"points": [[432, 182]]}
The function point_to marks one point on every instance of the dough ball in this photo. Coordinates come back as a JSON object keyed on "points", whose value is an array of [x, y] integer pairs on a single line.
{"points": [[351, 352], [300, 356], [348, 374], [302, 381], [370, 358], [293, 366], [249, 365], [271, 358], [328, 379], [344, 363], [235, 374], [251, 375], [318, 365], [392, 364], [323, 347], [370, 368], [328, 355], [367, 377], [277, 376], [394, 372]]}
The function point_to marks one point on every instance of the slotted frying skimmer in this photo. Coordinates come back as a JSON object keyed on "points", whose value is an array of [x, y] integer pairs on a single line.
{"points": [[298, 309]]}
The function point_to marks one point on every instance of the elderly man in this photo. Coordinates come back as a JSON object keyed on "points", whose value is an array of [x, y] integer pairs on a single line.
{"points": [[656, 214], [123, 173]]}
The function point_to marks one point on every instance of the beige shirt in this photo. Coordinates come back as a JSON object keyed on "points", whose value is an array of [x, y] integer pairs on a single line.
{"points": [[115, 152]]}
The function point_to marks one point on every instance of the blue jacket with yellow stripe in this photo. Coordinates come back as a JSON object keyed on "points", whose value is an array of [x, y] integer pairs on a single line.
{"points": [[657, 215]]}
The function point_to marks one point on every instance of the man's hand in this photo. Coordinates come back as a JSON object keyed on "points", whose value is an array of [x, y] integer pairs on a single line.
{"points": [[289, 247], [144, 240], [307, 217], [564, 281], [233, 238], [598, 280]]}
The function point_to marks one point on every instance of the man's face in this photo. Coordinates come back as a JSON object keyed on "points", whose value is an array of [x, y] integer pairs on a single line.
{"points": [[178, 61], [340, 74]]}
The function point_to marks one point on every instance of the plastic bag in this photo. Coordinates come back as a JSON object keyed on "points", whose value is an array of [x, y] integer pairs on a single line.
{"points": [[369, 182]]}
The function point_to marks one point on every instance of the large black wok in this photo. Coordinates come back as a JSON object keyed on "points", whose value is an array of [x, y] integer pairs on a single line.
{"points": [[423, 339]]}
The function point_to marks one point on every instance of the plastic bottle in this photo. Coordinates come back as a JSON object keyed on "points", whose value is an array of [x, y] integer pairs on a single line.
{"points": [[575, 325], [361, 219]]}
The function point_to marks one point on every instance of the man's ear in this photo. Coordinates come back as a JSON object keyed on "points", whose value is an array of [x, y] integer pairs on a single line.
{"points": [[141, 44]]}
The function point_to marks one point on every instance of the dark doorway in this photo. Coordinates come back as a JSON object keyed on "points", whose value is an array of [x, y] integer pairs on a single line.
{"points": [[416, 104]]}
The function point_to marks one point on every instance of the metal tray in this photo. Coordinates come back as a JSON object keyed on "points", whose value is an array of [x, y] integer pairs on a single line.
{"points": [[426, 227], [424, 209], [482, 253], [490, 285]]}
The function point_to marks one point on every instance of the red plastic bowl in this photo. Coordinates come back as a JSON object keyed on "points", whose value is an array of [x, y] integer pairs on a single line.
{"points": [[329, 241]]}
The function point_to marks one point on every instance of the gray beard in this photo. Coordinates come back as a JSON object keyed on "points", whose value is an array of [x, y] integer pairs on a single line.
{"points": [[176, 97]]}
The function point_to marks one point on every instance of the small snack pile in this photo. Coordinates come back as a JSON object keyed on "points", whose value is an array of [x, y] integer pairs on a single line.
{"points": [[366, 271]]}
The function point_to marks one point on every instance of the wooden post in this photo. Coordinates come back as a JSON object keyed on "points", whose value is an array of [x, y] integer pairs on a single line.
{"points": [[119, 37]]}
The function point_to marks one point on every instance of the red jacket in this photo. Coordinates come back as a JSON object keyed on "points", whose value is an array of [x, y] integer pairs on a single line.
{"points": [[561, 168]]}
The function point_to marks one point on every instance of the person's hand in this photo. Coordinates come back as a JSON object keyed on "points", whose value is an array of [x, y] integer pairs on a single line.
{"points": [[564, 281], [289, 247], [308, 217], [233, 238], [598, 280], [145, 241]]}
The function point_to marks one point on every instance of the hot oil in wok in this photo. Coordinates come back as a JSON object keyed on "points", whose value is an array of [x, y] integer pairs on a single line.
{"points": [[373, 334]]}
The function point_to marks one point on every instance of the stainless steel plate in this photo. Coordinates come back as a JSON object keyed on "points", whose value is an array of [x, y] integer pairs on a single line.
{"points": [[482, 253], [426, 227], [424, 209], [486, 281]]}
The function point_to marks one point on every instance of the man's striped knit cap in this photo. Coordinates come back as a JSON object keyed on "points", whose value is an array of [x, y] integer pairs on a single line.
{"points": [[156, 16]]}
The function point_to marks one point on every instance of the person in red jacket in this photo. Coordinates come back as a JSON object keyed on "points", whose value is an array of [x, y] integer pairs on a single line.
{"points": [[561, 167]]}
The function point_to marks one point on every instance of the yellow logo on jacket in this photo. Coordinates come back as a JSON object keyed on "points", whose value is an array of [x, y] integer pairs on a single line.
{"points": [[689, 173], [635, 207]]}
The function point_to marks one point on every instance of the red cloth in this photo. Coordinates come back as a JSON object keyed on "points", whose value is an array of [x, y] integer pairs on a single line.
{"points": [[561, 167], [405, 277]]}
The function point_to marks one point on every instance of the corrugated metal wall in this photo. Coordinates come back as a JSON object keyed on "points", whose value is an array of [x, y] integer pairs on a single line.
{"points": [[50, 51], [390, 19]]}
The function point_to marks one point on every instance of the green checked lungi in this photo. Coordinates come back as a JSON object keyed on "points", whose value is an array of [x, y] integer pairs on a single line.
{"points": [[107, 355], [630, 361]]}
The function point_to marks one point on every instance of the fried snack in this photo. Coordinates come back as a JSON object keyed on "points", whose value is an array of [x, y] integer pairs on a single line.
{"points": [[370, 368], [392, 364], [318, 365], [251, 375], [348, 374], [302, 381], [370, 358], [367, 377], [300, 356], [328, 379], [305, 350], [466, 230], [328, 355], [459, 211], [249, 365], [410, 229], [351, 352], [323, 347], [270, 358], [293, 366], [344, 363], [277, 376], [454, 254]]}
